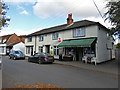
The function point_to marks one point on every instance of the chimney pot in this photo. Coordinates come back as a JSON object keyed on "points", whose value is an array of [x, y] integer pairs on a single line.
{"points": [[69, 19]]}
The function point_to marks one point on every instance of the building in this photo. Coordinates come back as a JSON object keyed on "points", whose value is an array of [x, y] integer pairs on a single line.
{"points": [[8, 41], [19, 46], [78, 38]]}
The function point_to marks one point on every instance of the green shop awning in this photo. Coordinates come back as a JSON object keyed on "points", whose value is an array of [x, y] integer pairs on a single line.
{"points": [[77, 43]]}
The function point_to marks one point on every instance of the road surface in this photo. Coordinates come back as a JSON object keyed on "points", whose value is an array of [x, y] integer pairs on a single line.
{"points": [[21, 72]]}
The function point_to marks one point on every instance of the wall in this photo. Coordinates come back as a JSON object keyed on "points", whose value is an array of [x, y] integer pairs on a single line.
{"points": [[30, 44], [1, 48], [104, 46], [90, 31]]}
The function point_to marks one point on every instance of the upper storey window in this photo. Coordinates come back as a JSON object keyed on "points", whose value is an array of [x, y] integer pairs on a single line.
{"points": [[55, 36], [79, 32], [30, 39]]}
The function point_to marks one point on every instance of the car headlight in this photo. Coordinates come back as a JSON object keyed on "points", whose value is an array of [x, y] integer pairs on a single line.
{"points": [[17, 55]]}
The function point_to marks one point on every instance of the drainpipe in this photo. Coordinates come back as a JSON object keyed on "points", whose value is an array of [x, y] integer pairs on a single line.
{"points": [[35, 43]]}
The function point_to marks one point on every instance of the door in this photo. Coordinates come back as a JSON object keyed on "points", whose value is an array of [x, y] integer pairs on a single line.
{"points": [[31, 51], [47, 48], [79, 54]]}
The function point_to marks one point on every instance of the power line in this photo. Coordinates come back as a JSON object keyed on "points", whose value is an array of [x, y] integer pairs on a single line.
{"points": [[99, 12], [98, 9]]}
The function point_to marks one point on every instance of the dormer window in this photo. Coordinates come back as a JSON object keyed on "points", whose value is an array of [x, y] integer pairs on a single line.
{"points": [[30, 39]]}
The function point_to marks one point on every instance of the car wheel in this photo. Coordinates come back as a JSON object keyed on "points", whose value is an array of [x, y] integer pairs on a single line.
{"points": [[14, 58], [9, 57], [39, 62]]}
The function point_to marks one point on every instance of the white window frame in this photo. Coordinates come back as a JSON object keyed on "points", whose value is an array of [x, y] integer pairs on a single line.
{"points": [[30, 39], [79, 32], [28, 49], [41, 49], [56, 50], [3, 50], [55, 36], [41, 37]]}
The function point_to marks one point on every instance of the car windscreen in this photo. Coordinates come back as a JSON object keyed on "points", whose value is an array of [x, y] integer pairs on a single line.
{"points": [[20, 52], [16, 52]]}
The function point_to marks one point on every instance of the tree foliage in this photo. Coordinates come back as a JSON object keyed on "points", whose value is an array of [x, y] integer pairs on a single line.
{"points": [[113, 15], [3, 18], [118, 45]]}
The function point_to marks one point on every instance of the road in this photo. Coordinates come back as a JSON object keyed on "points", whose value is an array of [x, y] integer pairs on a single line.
{"points": [[21, 72]]}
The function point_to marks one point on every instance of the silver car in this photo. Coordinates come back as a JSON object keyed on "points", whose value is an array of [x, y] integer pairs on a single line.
{"points": [[16, 55]]}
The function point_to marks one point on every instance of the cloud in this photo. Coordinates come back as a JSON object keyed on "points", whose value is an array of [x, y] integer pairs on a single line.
{"points": [[18, 31], [20, 7], [79, 8], [19, 1], [100, 20], [16, 2], [24, 12]]}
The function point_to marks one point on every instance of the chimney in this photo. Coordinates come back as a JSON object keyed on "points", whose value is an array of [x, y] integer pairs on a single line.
{"points": [[69, 19]]}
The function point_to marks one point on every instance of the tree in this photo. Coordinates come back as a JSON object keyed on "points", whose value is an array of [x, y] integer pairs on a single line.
{"points": [[3, 18], [113, 15], [118, 45]]}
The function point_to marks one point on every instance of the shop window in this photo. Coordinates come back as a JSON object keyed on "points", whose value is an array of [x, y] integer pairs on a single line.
{"points": [[56, 50], [41, 38], [55, 36], [41, 49], [29, 39], [79, 32]]}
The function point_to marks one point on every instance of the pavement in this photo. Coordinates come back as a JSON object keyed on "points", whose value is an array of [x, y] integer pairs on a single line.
{"points": [[110, 67]]}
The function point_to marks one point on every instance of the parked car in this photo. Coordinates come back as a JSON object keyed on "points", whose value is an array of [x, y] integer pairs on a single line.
{"points": [[16, 55], [41, 58]]}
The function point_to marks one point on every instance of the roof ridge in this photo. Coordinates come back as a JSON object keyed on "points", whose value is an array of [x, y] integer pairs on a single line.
{"points": [[76, 24]]}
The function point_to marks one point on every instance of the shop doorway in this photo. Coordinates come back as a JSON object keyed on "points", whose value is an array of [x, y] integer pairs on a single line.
{"points": [[79, 54], [47, 48]]}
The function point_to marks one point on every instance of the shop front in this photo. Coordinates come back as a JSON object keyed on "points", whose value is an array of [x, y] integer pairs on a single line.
{"points": [[75, 50]]}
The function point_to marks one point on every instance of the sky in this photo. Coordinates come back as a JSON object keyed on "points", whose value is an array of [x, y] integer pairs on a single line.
{"points": [[28, 16]]}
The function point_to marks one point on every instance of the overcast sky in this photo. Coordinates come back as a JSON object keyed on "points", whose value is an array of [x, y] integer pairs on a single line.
{"points": [[28, 16]]}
